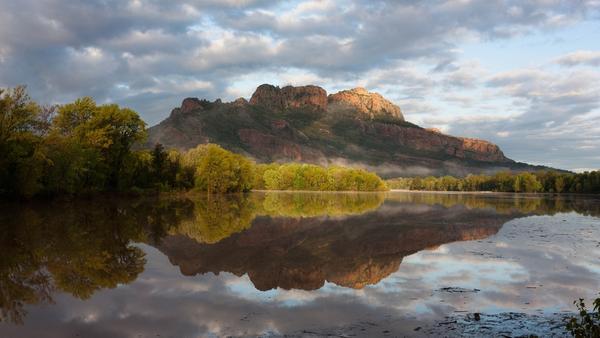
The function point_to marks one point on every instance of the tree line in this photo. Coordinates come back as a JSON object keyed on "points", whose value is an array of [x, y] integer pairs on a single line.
{"points": [[82, 148], [542, 181], [296, 176]]}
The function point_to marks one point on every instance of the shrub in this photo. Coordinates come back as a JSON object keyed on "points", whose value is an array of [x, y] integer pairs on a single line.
{"points": [[588, 324]]}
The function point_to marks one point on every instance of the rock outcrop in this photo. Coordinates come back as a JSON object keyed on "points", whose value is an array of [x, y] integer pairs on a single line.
{"points": [[370, 104], [190, 104], [288, 97], [482, 150]]}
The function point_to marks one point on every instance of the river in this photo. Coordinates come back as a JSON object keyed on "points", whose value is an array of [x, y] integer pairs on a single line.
{"points": [[297, 264]]}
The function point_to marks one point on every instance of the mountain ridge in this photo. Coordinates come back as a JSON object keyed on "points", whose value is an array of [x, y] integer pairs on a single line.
{"points": [[305, 124]]}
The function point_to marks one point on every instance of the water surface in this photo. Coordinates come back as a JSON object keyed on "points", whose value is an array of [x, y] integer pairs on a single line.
{"points": [[290, 263]]}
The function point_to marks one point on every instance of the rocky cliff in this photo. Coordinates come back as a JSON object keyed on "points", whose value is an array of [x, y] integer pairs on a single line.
{"points": [[370, 104], [352, 127], [280, 99]]}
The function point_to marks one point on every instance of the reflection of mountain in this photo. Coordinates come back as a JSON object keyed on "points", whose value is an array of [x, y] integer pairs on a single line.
{"points": [[353, 252], [288, 240]]}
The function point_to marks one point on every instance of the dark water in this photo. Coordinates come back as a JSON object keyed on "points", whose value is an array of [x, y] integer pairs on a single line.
{"points": [[305, 264]]}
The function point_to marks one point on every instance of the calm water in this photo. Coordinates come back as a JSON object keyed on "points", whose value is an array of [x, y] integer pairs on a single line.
{"points": [[289, 263]]}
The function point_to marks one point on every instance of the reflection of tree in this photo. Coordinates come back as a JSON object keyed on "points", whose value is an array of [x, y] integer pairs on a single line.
{"points": [[506, 203], [76, 248], [22, 281], [320, 204], [216, 217]]}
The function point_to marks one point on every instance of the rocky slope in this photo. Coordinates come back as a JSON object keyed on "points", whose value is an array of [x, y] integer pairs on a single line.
{"points": [[351, 127]]}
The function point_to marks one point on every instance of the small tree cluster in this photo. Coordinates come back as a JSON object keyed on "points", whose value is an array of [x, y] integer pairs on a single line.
{"points": [[543, 181], [295, 176], [213, 169]]}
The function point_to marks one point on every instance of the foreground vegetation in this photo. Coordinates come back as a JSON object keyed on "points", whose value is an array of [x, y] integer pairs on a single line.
{"points": [[588, 323], [82, 148], [543, 181]]}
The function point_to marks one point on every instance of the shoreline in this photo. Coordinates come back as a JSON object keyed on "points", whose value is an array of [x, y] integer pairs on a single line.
{"points": [[486, 192], [192, 192], [503, 324]]}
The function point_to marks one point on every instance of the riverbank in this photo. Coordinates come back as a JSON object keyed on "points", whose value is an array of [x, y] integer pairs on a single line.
{"points": [[487, 192]]}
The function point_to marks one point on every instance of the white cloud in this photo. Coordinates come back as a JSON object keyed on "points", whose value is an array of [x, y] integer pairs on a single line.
{"points": [[580, 57], [150, 54]]}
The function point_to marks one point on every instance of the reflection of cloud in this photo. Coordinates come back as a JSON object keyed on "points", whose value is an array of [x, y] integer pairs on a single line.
{"points": [[529, 261], [558, 255]]}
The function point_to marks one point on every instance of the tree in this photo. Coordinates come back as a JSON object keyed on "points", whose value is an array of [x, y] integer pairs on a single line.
{"points": [[73, 118], [19, 115], [21, 128], [115, 130], [104, 136], [559, 184], [217, 170]]}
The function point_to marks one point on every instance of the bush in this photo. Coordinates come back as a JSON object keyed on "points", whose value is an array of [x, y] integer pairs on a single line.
{"points": [[588, 324], [296, 176]]}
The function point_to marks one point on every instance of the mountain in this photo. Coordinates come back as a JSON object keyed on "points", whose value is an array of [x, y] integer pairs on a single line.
{"points": [[351, 127]]}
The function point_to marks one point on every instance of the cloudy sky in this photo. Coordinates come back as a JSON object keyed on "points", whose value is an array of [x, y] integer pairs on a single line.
{"points": [[523, 74]]}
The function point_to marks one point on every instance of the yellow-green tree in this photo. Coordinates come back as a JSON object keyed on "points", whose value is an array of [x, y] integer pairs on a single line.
{"points": [[217, 170], [21, 129]]}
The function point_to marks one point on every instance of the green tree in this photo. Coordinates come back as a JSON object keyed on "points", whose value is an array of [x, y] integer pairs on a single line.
{"points": [[107, 130], [217, 170], [21, 129]]}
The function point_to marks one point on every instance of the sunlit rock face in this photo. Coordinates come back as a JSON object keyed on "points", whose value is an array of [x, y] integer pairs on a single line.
{"points": [[365, 102], [289, 97], [353, 127], [353, 252]]}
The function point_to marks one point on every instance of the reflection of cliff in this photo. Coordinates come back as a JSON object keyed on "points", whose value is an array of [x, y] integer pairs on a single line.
{"points": [[352, 252]]}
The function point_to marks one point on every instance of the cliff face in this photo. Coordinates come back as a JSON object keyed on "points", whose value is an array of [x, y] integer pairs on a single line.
{"points": [[274, 98], [435, 142], [371, 104], [304, 124]]}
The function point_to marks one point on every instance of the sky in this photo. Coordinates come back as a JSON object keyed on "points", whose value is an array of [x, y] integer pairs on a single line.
{"points": [[522, 74]]}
